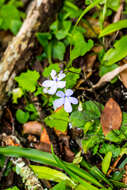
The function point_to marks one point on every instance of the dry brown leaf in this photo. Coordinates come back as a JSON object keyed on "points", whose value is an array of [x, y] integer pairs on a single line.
{"points": [[88, 66], [44, 138], [110, 75], [111, 117], [123, 77], [33, 127]]}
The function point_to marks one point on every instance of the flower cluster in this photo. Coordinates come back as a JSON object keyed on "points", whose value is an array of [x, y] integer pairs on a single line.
{"points": [[51, 86]]}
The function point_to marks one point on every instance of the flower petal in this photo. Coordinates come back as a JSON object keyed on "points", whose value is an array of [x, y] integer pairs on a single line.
{"points": [[60, 94], [73, 100], [61, 75], [48, 83], [67, 106], [53, 74], [45, 90], [60, 84], [58, 102], [52, 90], [69, 92]]}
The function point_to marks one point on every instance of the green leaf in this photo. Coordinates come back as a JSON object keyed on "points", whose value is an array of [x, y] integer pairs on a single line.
{"points": [[58, 120], [72, 76], [43, 39], [16, 93], [106, 162], [86, 10], [77, 119], [60, 186], [53, 175], [21, 116], [92, 109], [81, 47], [62, 33], [106, 68], [110, 148], [13, 188], [47, 70], [117, 53], [9, 13], [114, 4], [58, 50], [113, 137], [28, 80], [113, 27], [15, 26]]}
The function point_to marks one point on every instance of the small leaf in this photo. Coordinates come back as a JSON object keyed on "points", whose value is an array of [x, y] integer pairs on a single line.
{"points": [[60, 186], [21, 116], [72, 76], [58, 50], [58, 120], [28, 80], [111, 117], [106, 162], [81, 47], [16, 93], [47, 70], [113, 27], [117, 53]]}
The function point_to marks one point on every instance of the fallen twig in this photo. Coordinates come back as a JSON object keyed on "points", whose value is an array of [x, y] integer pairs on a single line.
{"points": [[109, 76]]}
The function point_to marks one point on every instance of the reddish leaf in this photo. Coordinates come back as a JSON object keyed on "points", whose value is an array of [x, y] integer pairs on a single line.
{"points": [[44, 138], [111, 117]]}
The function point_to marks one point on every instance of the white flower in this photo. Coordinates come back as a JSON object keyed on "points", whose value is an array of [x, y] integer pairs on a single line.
{"points": [[65, 99], [51, 86]]}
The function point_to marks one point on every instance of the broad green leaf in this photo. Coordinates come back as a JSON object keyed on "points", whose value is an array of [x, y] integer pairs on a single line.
{"points": [[21, 116], [113, 27], [8, 13], [92, 109], [106, 162], [47, 70], [72, 75], [117, 53], [58, 50], [59, 120], [81, 47], [77, 119], [53, 175], [31, 154], [114, 4], [60, 186], [28, 80]]}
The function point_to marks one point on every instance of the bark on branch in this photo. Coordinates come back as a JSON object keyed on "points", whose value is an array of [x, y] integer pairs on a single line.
{"points": [[19, 51]]}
